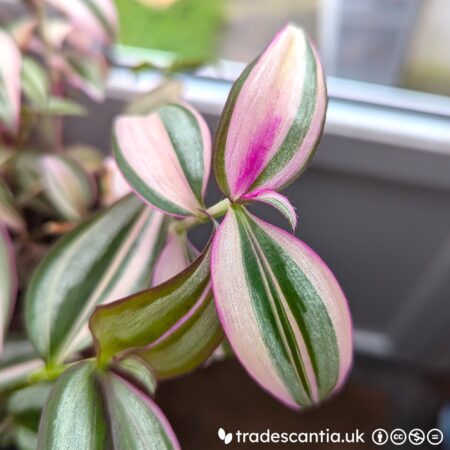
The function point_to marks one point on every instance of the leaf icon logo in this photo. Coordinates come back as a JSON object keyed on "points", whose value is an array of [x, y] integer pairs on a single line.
{"points": [[225, 437]]}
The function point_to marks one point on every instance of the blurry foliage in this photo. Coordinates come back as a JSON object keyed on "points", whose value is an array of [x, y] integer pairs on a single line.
{"points": [[187, 27]]}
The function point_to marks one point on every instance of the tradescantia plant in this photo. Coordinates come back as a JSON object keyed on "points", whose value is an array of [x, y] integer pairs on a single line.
{"points": [[124, 300]]}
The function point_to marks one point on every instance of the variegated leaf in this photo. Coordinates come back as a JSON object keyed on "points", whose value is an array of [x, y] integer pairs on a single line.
{"points": [[166, 157], [273, 118], [8, 281], [173, 326], [35, 83], [9, 212], [90, 158], [95, 18], [138, 371], [59, 106], [92, 411], [67, 186], [10, 67], [18, 361], [24, 409], [105, 258], [282, 310], [176, 255], [278, 201]]}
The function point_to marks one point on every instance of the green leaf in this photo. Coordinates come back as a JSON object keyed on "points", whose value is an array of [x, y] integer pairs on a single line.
{"points": [[74, 416], [107, 257], [138, 370], [8, 281], [18, 360], [9, 211], [28, 401], [173, 325], [35, 83], [58, 106], [93, 411], [135, 421], [90, 158]]}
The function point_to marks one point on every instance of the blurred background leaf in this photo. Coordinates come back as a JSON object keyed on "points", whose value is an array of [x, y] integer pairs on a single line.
{"points": [[152, 24]]}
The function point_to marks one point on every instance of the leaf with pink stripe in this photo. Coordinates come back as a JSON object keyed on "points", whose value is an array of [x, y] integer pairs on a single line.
{"points": [[173, 326], [166, 157], [273, 118], [10, 68], [281, 308]]}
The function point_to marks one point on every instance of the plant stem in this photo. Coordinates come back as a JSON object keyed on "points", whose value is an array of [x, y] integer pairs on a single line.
{"points": [[217, 210]]}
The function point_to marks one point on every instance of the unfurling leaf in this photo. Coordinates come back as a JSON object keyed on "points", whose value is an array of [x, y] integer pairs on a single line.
{"points": [[166, 157], [67, 186], [273, 118], [281, 308], [137, 370], [10, 67], [9, 213], [105, 258], [173, 326], [8, 281], [279, 202], [92, 411]]}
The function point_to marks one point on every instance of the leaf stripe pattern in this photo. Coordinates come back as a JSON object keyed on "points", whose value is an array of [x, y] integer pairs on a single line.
{"points": [[67, 186], [101, 411], [96, 18], [173, 326], [273, 118], [107, 257], [10, 68], [281, 309], [8, 281], [165, 157]]}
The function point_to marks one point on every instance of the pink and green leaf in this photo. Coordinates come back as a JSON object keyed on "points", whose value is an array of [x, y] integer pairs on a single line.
{"points": [[173, 326], [282, 310], [166, 157], [138, 371], [105, 258], [176, 255], [10, 67], [101, 411], [278, 201], [273, 118], [113, 184], [8, 281], [95, 18], [67, 186]]}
